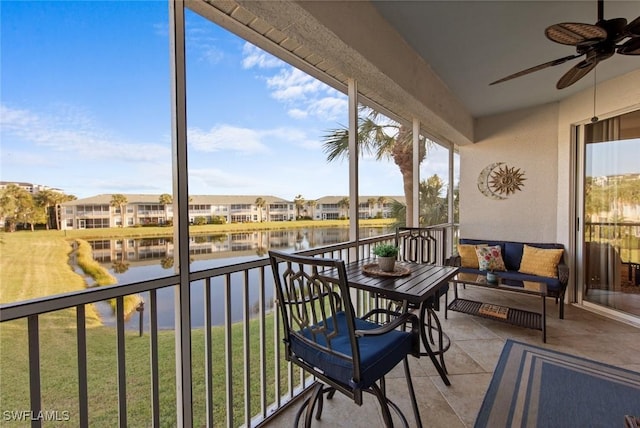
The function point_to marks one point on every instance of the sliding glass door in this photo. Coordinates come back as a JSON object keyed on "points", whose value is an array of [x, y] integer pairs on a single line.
{"points": [[611, 212]]}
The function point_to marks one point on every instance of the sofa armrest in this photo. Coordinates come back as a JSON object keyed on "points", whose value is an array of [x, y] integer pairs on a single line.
{"points": [[563, 274], [453, 261]]}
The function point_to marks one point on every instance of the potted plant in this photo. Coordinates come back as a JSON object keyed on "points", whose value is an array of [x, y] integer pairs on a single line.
{"points": [[387, 254], [492, 278]]}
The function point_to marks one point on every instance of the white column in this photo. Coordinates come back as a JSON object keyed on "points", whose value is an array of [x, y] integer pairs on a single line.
{"points": [[184, 410], [353, 161], [415, 215]]}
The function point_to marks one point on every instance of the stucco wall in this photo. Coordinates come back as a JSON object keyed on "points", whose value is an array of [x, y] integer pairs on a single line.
{"points": [[538, 141], [525, 139]]}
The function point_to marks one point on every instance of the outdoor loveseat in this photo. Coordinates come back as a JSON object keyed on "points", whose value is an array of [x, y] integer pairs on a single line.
{"points": [[539, 265]]}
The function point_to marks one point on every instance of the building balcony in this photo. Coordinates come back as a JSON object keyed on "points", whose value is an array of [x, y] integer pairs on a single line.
{"points": [[231, 369]]}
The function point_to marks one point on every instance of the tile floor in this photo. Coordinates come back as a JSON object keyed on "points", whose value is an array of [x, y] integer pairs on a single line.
{"points": [[475, 349]]}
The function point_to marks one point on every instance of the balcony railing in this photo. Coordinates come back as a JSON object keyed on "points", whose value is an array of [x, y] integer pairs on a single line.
{"points": [[241, 368], [624, 237]]}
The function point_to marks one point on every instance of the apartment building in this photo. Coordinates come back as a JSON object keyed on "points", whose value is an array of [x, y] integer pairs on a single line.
{"points": [[144, 209], [31, 188]]}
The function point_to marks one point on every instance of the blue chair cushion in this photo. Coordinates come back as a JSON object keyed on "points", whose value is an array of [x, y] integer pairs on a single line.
{"points": [[378, 354]]}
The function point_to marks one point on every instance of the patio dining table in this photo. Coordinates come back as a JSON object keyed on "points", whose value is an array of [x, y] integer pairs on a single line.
{"points": [[413, 289]]}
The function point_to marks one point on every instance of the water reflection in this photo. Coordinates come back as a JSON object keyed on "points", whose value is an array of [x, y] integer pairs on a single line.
{"points": [[134, 260]]}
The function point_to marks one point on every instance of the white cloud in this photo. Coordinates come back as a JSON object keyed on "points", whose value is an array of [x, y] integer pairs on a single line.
{"points": [[256, 57], [203, 45], [244, 140], [211, 54], [226, 137], [293, 84], [329, 108], [297, 113], [161, 29], [212, 178], [305, 95], [73, 131]]}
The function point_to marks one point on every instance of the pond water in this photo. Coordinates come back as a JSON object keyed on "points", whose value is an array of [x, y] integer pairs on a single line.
{"points": [[134, 260]]}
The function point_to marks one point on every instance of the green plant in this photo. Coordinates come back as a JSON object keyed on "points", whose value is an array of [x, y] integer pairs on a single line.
{"points": [[385, 250]]}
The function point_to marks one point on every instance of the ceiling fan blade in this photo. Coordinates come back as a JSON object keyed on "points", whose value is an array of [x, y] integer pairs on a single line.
{"points": [[537, 67], [630, 47], [572, 33], [577, 72], [633, 28]]}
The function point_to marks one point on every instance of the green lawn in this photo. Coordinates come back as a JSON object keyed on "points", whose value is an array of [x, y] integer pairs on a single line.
{"points": [[35, 264], [59, 373]]}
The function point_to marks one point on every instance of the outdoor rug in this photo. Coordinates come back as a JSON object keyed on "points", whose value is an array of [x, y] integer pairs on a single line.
{"points": [[536, 387]]}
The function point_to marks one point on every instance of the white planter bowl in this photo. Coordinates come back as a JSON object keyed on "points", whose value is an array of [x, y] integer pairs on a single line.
{"points": [[387, 264]]}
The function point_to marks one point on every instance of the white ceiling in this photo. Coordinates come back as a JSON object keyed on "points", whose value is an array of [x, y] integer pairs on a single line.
{"points": [[470, 44]]}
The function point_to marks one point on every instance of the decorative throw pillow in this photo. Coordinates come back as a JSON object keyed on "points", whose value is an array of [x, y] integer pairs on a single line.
{"points": [[468, 256], [490, 258], [540, 261]]}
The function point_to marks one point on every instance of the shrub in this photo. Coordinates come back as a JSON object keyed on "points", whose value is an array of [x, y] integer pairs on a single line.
{"points": [[200, 220], [385, 250], [218, 219]]}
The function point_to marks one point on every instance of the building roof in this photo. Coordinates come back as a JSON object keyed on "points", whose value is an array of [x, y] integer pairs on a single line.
{"points": [[132, 198]]}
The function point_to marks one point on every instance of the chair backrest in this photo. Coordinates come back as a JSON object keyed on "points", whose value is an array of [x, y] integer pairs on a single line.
{"points": [[315, 311], [421, 245]]}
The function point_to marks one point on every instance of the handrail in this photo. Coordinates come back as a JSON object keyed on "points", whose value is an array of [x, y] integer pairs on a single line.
{"points": [[255, 273]]}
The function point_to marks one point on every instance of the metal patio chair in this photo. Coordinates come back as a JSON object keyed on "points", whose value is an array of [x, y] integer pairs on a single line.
{"points": [[421, 245], [323, 336]]}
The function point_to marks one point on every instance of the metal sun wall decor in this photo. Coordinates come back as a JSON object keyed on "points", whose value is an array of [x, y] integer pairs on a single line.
{"points": [[498, 182]]}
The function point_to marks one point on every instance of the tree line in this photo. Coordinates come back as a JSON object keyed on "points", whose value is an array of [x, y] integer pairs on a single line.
{"points": [[19, 207]]}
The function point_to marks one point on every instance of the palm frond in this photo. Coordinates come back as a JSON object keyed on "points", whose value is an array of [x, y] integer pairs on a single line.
{"points": [[336, 144]]}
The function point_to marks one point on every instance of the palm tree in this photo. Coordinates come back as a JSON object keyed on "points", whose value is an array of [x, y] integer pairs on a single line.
{"points": [[344, 205], [120, 201], [165, 200], [260, 203], [384, 140], [299, 201], [381, 201], [433, 206], [399, 213], [16, 205], [312, 204], [371, 202], [46, 199]]}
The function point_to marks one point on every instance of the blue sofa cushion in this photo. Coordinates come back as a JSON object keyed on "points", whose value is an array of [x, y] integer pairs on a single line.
{"points": [[378, 354], [513, 255], [512, 251]]}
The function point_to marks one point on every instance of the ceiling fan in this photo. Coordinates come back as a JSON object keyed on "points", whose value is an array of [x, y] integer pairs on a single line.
{"points": [[596, 42]]}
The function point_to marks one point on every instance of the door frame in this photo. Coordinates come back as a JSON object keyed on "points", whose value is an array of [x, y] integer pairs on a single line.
{"points": [[576, 235]]}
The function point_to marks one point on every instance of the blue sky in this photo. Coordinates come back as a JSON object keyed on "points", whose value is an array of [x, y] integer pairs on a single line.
{"points": [[85, 107]]}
